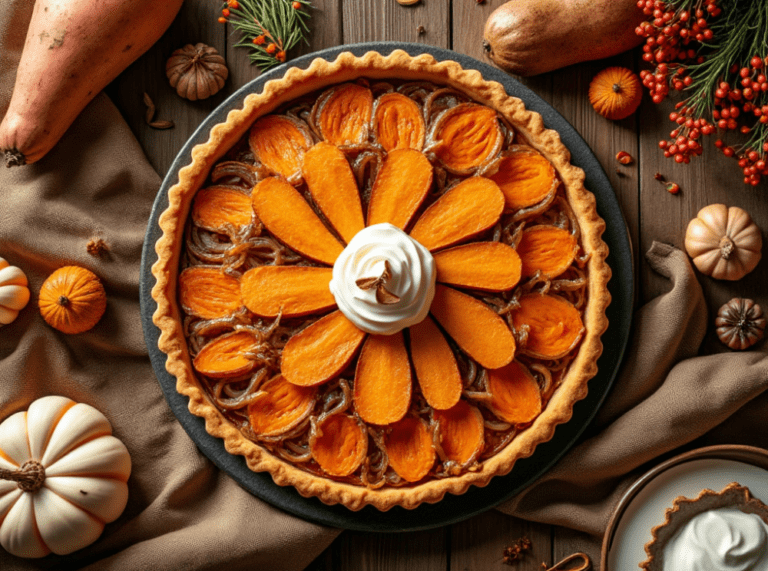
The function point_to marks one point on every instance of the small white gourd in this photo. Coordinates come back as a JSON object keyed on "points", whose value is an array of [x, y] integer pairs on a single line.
{"points": [[62, 477], [14, 292]]}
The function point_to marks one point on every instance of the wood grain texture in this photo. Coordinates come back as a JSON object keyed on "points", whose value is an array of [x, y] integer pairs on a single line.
{"points": [[386, 20], [479, 543]]}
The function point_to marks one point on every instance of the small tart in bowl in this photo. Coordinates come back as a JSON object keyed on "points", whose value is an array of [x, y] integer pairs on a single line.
{"points": [[713, 531]]}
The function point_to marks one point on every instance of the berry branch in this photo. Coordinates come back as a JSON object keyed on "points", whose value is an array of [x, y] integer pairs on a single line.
{"points": [[716, 52], [268, 27]]}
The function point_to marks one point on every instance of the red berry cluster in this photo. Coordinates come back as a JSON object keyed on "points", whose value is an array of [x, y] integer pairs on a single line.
{"points": [[744, 99], [668, 43], [685, 138]]}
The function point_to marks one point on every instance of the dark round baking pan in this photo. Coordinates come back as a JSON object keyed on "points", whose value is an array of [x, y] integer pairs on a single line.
{"points": [[476, 500]]}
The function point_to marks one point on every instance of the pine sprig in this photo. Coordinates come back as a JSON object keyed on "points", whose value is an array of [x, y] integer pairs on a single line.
{"points": [[715, 52], [270, 28]]}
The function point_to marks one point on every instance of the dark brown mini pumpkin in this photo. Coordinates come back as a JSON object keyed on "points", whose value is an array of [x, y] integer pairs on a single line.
{"points": [[196, 72], [740, 323]]}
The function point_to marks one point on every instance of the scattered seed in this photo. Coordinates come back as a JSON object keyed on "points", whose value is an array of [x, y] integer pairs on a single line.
{"points": [[162, 125], [421, 30], [624, 158], [150, 113]]}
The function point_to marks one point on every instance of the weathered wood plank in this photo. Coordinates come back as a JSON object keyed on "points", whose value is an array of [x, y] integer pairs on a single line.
{"points": [[479, 543], [386, 20], [422, 551], [196, 22]]}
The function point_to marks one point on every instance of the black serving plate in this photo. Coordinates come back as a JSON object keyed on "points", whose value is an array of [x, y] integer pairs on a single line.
{"points": [[450, 509]]}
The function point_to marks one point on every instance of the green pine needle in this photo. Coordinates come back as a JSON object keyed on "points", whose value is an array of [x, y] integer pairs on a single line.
{"points": [[276, 22]]}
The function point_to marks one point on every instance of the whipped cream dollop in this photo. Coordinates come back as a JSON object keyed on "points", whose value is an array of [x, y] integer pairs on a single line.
{"points": [[724, 539], [411, 278]]}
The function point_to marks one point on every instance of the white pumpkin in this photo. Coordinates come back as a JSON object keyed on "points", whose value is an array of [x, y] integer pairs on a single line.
{"points": [[62, 477], [14, 292]]}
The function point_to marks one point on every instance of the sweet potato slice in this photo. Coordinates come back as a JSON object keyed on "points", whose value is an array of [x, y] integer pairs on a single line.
{"points": [[555, 325], [321, 351], [435, 365], [462, 432], [227, 356], [526, 178], [208, 292], [398, 122], [487, 266], [341, 446], [410, 450], [383, 383], [466, 136], [288, 217], [333, 187], [546, 248], [290, 291], [476, 328], [345, 113], [217, 207], [516, 395], [400, 187], [280, 407], [466, 210], [279, 143]]}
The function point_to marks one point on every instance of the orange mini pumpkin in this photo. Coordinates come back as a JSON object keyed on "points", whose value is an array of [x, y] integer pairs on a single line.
{"points": [[72, 299], [615, 92]]}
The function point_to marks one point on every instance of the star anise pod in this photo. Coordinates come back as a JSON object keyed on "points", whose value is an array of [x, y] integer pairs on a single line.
{"points": [[740, 323]]}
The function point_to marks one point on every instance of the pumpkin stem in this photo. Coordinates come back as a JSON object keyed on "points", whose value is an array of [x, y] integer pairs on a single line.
{"points": [[726, 247], [29, 477], [63, 301], [487, 46], [616, 88]]}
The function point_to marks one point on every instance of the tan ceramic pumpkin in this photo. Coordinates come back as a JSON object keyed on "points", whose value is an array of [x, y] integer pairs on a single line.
{"points": [[62, 477], [14, 292], [724, 242]]}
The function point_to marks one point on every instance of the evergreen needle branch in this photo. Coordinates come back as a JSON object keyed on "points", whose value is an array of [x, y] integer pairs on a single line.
{"points": [[269, 28]]}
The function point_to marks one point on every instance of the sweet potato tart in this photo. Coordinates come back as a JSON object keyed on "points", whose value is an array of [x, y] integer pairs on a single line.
{"points": [[381, 281]]}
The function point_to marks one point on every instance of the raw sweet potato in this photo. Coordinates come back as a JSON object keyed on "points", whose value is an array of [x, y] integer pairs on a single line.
{"points": [[72, 51], [435, 365], [516, 395], [287, 215], [290, 291], [466, 210], [341, 446], [487, 266], [333, 187], [400, 187], [555, 325], [383, 383], [410, 450], [528, 37], [280, 407], [477, 329], [462, 432], [208, 292], [321, 351]]}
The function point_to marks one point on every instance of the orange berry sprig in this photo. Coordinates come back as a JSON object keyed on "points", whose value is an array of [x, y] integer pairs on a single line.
{"points": [[713, 51], [270, 28]]}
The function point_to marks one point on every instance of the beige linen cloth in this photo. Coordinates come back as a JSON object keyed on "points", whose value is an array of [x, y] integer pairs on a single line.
{"points": [[182, 512]]}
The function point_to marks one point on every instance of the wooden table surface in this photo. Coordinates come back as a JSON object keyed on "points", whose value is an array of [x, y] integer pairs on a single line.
{"points": [[651, 214]]}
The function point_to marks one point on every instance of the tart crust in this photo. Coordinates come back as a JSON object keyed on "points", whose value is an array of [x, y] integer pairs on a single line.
{"points": [[683, 509], [295, 83]]}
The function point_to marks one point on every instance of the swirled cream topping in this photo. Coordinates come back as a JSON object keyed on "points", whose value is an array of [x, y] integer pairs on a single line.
{"points": [[724, 539], [384, 280]]}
